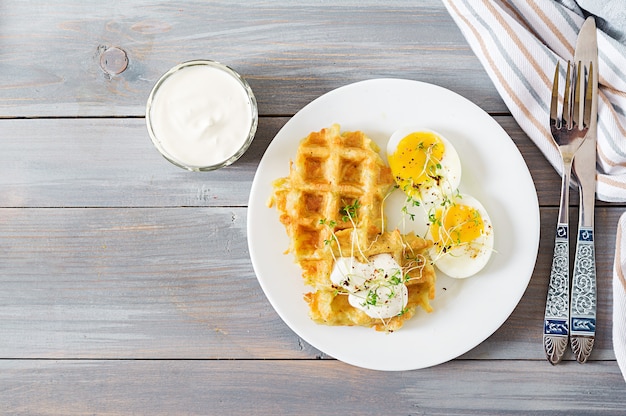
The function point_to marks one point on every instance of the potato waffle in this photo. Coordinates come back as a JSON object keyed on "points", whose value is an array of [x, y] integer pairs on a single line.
{"points": [[331, 171], [331, 202]]}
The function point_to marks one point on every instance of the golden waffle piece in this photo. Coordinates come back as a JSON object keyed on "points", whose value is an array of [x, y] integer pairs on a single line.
{"points": [[331, 171], [331, 202]]}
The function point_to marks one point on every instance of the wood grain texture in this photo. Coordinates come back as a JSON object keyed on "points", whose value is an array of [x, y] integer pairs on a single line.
{"points": [[126, 285], [111, 162], [178, 283], [289, 52], [141, 283], [308, 388]]}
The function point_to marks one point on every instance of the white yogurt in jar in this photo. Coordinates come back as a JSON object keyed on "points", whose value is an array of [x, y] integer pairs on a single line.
{"points": [[201, 115]]}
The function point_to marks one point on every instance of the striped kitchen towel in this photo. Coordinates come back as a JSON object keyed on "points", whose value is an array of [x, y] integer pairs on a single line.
{"points": [[619, 296], [519, 43]]}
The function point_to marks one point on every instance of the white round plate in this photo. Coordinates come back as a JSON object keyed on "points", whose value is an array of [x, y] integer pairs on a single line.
{"points": [[466, 312]]}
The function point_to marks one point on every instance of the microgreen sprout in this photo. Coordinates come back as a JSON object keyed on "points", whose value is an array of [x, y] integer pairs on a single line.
{"points": [[350, 211], [371, 298]]}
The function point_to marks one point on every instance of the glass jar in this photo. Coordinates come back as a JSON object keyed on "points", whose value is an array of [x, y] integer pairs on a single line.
{"points": [[201, 115]]}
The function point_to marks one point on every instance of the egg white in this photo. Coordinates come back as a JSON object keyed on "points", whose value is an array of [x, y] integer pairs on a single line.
{"points": [[460, 261], [466, 260], [431, 193]]}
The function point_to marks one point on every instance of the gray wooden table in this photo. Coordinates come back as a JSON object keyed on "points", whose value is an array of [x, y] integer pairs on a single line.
{"points": [[126, 285]]}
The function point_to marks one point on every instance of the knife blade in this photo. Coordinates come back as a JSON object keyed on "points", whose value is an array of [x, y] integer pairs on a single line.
{"points": [[583, 301]]}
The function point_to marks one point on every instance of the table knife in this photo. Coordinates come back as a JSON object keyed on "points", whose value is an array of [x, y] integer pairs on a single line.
{"points": [[583, 301]]}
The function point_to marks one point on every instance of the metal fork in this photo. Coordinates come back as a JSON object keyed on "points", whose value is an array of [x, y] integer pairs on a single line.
{"points": [[568, 133]]}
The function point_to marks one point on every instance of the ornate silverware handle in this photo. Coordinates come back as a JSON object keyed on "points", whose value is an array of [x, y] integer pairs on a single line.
{"points": [[583, 306], [555, 327]]}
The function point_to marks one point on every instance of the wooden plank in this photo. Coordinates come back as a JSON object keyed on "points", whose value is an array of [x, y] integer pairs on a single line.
{"points": [[178, 283], [133, 283], [289, 52], [308, 388], [112, 163]]}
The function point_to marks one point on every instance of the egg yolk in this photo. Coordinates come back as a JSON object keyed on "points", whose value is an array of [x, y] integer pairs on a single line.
{"points": [[417, 160], [456, 225]]}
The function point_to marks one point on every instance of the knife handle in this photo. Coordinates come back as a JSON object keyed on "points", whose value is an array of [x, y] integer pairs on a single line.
{"points": [[555, 327], [583, 306]]}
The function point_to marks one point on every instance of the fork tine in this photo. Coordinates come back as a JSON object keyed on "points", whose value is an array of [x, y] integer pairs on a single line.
{"points": [[579, 78], [588, 97], [567, 108], [555, 98]]}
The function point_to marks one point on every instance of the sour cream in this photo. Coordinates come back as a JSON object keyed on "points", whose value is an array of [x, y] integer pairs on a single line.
{"points": [[376, 287], [201, 115]]}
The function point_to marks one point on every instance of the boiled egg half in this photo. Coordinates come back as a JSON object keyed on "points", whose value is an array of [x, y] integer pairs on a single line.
{"points": [[463, 236], [424, 164], [427, 168]]}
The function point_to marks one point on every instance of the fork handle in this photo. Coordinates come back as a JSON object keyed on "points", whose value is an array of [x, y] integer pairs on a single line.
{"points": [[583, 306], [555, 326]]}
